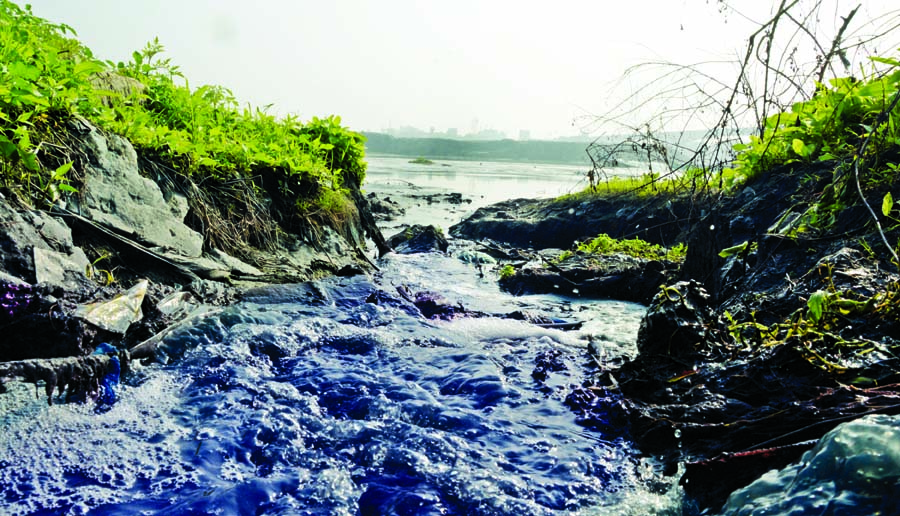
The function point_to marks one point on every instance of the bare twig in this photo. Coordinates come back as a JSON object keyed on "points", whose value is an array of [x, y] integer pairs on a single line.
{"points": [[836, 45]]}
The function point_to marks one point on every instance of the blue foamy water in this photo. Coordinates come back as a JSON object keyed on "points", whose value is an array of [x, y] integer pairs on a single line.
{"points": [[305, 399]]}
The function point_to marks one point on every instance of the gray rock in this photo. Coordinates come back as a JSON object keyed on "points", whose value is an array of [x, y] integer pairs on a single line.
{"points": [[125, 89], [35, 247], [54, 268], [117, 196], [475, 257]]}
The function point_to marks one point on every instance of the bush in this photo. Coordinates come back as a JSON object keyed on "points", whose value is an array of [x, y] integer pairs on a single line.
{"points": [[46, 77]]}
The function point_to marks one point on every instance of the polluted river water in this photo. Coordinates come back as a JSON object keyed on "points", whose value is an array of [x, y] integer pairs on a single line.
{"points": [[335, 398]]}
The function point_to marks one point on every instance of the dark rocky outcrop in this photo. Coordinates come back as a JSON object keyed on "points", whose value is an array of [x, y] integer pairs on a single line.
{"points": [[549, 223], [419, 239], [58, 303], [616, 276], [704, 390], [384, 209]]}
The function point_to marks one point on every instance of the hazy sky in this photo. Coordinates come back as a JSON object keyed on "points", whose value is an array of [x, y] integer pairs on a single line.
{"points": [[485, 64]]}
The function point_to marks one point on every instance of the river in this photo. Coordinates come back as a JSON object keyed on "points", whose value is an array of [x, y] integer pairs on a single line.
{"points": [[306, 399]]}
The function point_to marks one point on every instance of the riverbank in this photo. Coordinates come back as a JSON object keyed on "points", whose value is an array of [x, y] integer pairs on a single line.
{"points": [[124, 192], [760, 343]]}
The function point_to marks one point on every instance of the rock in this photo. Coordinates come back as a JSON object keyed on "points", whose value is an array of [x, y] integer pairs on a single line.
{"points": [[543, 223], [616, 276], [854, 469], [384, 209], [433, 305], [477, 257], [37, 248], [677, 322], [419, 239], [52, 267], [117, 196], [124, 88]]}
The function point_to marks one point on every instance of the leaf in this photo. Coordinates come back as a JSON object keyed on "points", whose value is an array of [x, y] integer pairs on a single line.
{"points": [[887, 204], [817, 304], [731, 251], [60, 172], [67, 188], [801, 149], [89, 67], [885, 60]]}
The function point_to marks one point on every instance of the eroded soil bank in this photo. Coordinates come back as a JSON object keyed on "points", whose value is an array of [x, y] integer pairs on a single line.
{"points": [[132, 255]]}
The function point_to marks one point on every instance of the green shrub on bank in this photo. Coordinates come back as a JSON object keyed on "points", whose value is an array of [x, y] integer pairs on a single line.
{"points": [[645, 185], [44, 76], [828, 126], [605, 245], [47, 77]]}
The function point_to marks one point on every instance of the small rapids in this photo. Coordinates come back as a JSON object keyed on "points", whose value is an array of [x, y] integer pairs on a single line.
{"points": [[306, 399]]}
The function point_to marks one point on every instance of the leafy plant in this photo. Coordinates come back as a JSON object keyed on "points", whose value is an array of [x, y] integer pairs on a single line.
{"points": [[43, 74], [826, 127], [507, 271], [604, 244]]}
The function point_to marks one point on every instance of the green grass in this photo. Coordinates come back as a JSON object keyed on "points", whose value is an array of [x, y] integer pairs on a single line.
{"points": [[606, 245], [644, 186]]}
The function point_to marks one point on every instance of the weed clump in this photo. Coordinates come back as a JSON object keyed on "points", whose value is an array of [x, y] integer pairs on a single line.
{"points": [[604, 244]]}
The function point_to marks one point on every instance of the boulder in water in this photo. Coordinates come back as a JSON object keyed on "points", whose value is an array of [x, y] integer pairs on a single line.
{"points": [[419, 239]]}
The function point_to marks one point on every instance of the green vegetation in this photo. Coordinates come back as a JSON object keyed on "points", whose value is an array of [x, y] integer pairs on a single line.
{"points": [[421, 161], [44, 75], [194, 135], [855, 124], [605, 245], [831, 125], [507, 271], [646, 185], [818, 329]]}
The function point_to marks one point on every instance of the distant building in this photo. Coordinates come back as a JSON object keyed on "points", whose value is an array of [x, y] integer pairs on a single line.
{"points": [[524, 134], [452, 132], [486, 135]]}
